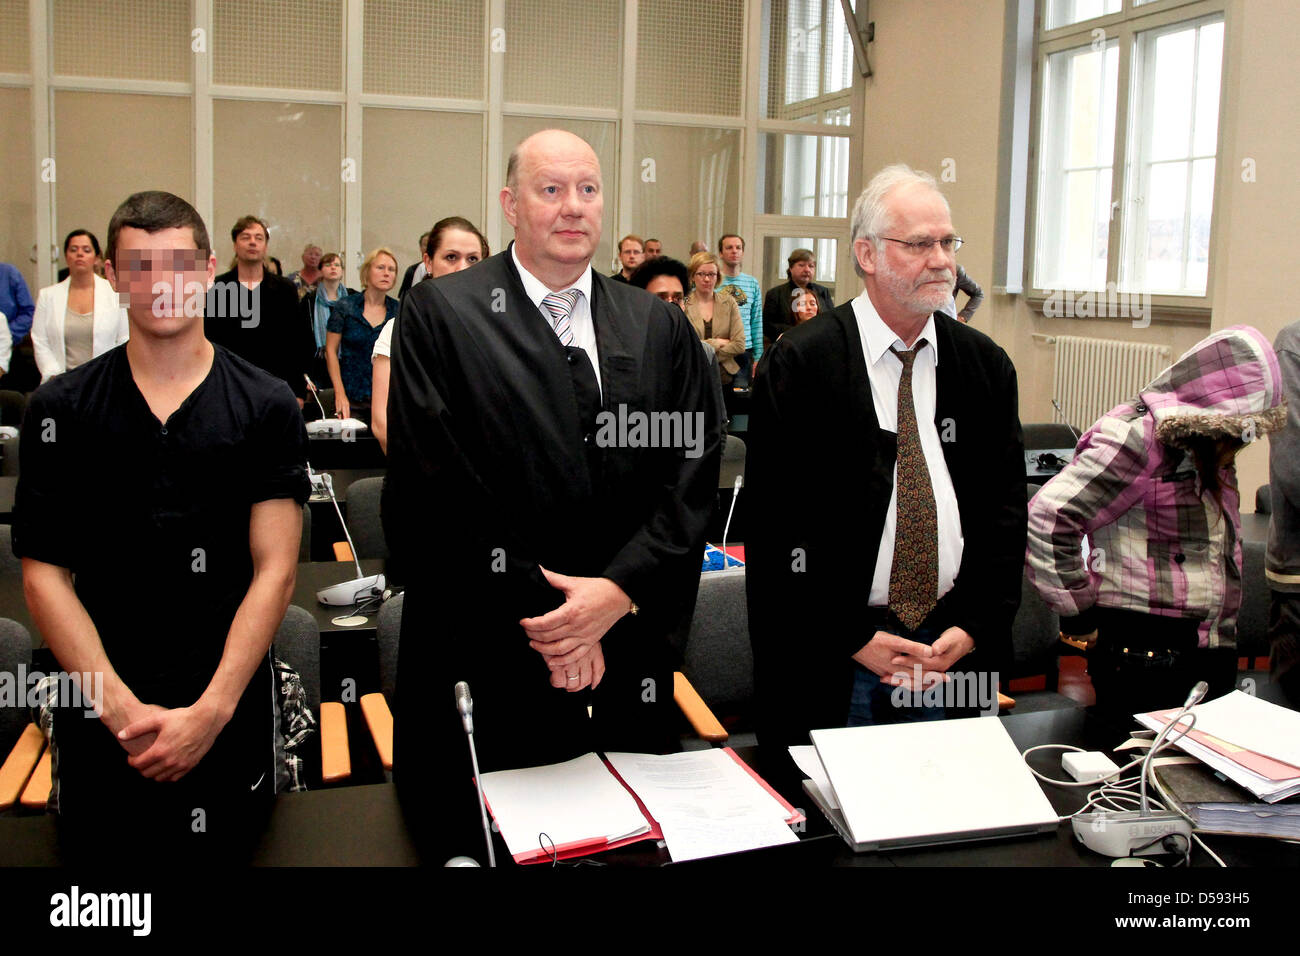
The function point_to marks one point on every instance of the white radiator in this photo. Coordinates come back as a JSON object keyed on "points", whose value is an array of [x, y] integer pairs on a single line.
{"points": [[1094, 375]]}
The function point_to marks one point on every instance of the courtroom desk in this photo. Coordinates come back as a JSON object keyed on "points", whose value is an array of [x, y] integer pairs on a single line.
{"points": [[363, 825], [345, 652], [315, 575], [356, 451], [8, 488], [1036, 475]]}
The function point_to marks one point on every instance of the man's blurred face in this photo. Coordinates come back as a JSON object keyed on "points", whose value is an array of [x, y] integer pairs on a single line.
{"points": [[653, 249], [250, 245], [631, 255], [311, 257], [161, 278], [556, 205]]}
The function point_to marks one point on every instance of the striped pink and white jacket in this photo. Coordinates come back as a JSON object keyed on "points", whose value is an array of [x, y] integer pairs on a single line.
{"points": [[1157, 543]]}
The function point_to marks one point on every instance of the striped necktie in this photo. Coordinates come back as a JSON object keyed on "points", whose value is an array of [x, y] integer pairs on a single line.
{"points": [[914, 575], [560, 306]]}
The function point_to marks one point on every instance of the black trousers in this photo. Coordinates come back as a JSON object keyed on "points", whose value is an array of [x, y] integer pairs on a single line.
{"points": [[1144, 662]]}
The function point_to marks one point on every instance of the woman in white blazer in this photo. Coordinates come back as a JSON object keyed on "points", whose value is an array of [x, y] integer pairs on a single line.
{"points": [[81, 293]]}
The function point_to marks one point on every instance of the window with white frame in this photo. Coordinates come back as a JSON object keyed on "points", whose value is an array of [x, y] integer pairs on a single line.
{"points": [[1127, 146]]}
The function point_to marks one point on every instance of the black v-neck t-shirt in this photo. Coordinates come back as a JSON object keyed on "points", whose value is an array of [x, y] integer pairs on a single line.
{"points": [[152, 518]]}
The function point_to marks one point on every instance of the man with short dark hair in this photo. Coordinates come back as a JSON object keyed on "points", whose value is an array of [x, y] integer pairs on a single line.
{"points": [[653, 249], [743, 287], [254, 313], [920, 413], [630, 255], [554, 555], [199, 463]]}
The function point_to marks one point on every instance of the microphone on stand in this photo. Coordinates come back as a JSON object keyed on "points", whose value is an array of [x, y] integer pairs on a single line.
{"points": [[363, 585], [735, 493], [1057, 405], [311, 387], [465, 706]]}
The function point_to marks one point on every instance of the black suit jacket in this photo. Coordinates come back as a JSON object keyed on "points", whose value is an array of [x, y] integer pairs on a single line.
{"points": [[778, 308], [819, 473], [493, 473], [263, 326]]}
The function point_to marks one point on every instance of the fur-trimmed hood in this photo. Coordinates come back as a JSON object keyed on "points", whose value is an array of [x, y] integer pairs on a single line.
{"points": [[1228, 385]]}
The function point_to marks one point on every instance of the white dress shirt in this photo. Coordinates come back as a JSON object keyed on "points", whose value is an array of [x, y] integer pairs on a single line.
{"points": [[580, 321], [885, 369]]}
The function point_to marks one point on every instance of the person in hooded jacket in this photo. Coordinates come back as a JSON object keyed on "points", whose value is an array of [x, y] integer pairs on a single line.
{"points": [[1142, 530]]}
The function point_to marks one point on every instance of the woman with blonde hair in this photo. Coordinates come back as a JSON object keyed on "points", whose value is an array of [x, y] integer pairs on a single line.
{"points": [[354, 324], [715, 318]]}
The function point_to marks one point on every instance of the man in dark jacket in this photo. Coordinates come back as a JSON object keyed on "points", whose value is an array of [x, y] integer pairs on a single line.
{"points": [[860, 602]]}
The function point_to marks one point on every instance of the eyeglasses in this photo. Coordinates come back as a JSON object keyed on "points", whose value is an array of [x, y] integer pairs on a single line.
{"points": [[922, 247], [706, 275]]}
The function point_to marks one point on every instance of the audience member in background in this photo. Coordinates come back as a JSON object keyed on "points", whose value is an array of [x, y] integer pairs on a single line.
{"points": [[699, 245], [6, 344], [328, 290], [453, 244], [653, 249], [631, 252], [778, 304], [80, 317], [1153, 487], [255, 313], [305, 279], [273, 265], [1282, 564], [417, 270], [975, 295], [16, 301], [744, 289], [806, 307], [354, 325], [916, 569], [715, 317], [668, 279], [200, 466]]}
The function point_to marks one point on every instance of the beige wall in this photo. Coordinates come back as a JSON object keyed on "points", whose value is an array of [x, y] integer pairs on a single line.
{"points": [[935, 97]]}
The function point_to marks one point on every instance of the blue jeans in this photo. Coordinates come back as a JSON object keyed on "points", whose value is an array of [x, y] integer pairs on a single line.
{"points": [[875, 702]]}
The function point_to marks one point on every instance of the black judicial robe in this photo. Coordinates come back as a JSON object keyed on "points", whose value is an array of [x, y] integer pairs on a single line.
{"points": [[497, 465]]}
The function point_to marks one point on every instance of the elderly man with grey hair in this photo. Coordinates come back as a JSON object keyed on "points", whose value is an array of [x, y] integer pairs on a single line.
{"points": [[918, 413]]}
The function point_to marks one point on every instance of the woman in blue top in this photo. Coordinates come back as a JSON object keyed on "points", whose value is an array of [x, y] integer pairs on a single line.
{"points": [[354, 324]]}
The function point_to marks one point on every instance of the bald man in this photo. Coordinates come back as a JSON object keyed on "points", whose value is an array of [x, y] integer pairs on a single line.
{"points": [[552, 544]]}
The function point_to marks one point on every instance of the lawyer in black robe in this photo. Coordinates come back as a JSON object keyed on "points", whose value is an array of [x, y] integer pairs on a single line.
{"points": [[498, 464]]}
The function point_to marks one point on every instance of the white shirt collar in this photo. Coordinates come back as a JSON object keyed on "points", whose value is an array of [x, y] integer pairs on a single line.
{"points": [[878, 338], [537, 290]]}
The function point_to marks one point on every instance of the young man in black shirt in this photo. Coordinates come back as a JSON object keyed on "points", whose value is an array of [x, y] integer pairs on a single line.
{"points": [[158, 518]]}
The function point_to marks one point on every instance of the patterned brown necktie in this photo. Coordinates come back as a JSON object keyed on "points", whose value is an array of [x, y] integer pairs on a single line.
{"points": [[914, 577]]}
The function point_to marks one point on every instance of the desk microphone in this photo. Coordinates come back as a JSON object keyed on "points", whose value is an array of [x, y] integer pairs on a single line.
{"points": [[735, 493], [363, 585], [465, 706], [311, 387], [1057, 405], [1142, 832]]}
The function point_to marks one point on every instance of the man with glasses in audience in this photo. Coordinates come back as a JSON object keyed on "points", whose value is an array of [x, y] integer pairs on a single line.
{"points": [[630, 255], [918, 414]]}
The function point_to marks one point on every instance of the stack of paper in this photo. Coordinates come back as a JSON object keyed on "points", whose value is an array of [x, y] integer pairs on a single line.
{"points": [[703, 803], [560, 807], [1250, 741], [706, 802]]}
